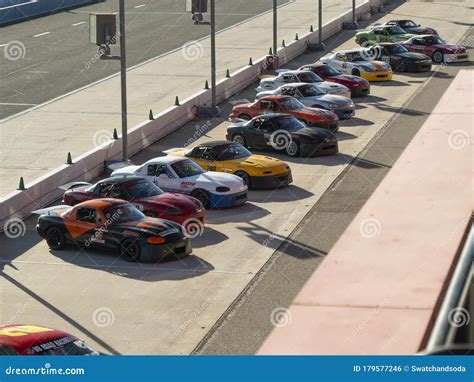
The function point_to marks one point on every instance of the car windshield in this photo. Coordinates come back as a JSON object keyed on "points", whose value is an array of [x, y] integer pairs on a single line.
{"points": [[288, 123], [122, 214], [434, 40], [233, 151], [396, 30], [186, 168], [396, 49], [354, 56], [327, 70], [62, 346], [291, 104], [408, 24], [309, 77], [310, 91], [138, 189]]}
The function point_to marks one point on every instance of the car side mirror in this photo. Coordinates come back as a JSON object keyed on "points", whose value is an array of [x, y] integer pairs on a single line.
{"points": [[163, 176]]}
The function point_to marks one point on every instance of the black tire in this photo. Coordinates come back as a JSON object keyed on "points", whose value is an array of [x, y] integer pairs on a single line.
{"points": [[401, 66], [356, 72], [202, 196], [245, 117], [363, 42], [293, 149], [245, 177], [130, 250], [239, 138], [55, 238], [150, 214], [438, 57]]}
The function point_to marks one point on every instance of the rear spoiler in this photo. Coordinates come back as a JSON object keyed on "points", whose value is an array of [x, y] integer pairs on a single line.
{"points": [[172, 150], [69, 186], [48, 210]]}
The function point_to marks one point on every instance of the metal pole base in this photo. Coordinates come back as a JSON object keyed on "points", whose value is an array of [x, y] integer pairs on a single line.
{"points": [[207, 111], [381, 9], [349, 25], [316, 47]]}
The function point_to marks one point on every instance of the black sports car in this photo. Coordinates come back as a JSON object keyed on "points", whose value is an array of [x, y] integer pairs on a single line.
{"points": [[283, 132], [112, 224], [400, 58], [411, 27]]}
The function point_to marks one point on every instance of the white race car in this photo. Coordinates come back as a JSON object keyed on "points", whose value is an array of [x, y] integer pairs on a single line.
{"points": [[359, 62], [293, 76], [182, 175]]}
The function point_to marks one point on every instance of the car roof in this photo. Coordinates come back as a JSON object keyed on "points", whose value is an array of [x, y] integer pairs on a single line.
{"points": [[168, 159], [315, 65], [276, 97], [119, 179], [101, 203], [296, 71], [214, 143], [295, 85], [39, 335]]}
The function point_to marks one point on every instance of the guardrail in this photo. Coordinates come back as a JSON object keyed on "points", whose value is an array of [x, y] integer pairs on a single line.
{"points": [[88, 166], [17, 10]]}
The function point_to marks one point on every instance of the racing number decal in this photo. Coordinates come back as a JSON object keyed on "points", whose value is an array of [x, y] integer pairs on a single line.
{"points": [[18, 331]]}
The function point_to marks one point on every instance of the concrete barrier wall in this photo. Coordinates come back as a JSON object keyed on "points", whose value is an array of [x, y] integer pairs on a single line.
{"points": [[17, 10], [44, 190]]}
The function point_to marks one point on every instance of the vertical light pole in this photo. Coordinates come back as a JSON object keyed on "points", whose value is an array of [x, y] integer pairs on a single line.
{"points": [[123, 80], [213, 55], [320, 22], [275, 28], [354, 12]]}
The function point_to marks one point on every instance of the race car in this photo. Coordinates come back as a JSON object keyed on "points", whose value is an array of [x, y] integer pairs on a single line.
{"points": [[358, 63], [257, 171], [145, 195], [113, 224], [39, 340], [381, 33], [283, 132], [358, 86], [437, 49], [182, 175], [287, 105], [411, 27], [400, 59], [293, 76], [311, 96]]}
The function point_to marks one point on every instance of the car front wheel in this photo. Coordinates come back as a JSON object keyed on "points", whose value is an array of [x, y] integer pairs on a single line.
{"points": [[245, 177], [130, 249], [202, 196]]}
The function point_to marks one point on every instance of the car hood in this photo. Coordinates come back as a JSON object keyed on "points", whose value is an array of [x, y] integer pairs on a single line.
{"points": [[375, 64], [420, 30], [316, 132], [213, 179], [350, 79], [309, 111], [171, 200], [413, 56], [154, 226], [452, 47], [330, 98], [263, 161], [125, 170]]}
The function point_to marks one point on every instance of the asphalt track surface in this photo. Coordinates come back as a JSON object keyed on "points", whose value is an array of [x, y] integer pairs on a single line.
{"points": [[279, 281], [56, 47]]}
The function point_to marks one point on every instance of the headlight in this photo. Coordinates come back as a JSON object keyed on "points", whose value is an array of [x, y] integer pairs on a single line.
{"points": [[156, 240], [332, 105], [222, 189], [174, 211]]}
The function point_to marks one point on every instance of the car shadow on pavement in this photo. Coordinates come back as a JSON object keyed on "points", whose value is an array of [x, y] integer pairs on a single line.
{"points": [[355, 121], [245, 213], [277, 240], [108, 261], [208, 238], [400, 110], [391, 83], [286, 194], [343, 136]]}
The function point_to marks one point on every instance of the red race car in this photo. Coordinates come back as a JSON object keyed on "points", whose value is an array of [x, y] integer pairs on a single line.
{"points": [[145, 195], [38, 340], [436, 48], [359, 86], [286, 105]]}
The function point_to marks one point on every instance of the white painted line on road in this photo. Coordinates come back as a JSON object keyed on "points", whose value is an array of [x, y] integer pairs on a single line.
{"points": [[76, 24], [41, 34], [140, 6], [17, 104]]}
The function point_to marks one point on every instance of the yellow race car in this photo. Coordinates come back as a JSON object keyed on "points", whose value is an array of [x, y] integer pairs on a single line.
{"points": [[257, 171]]}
